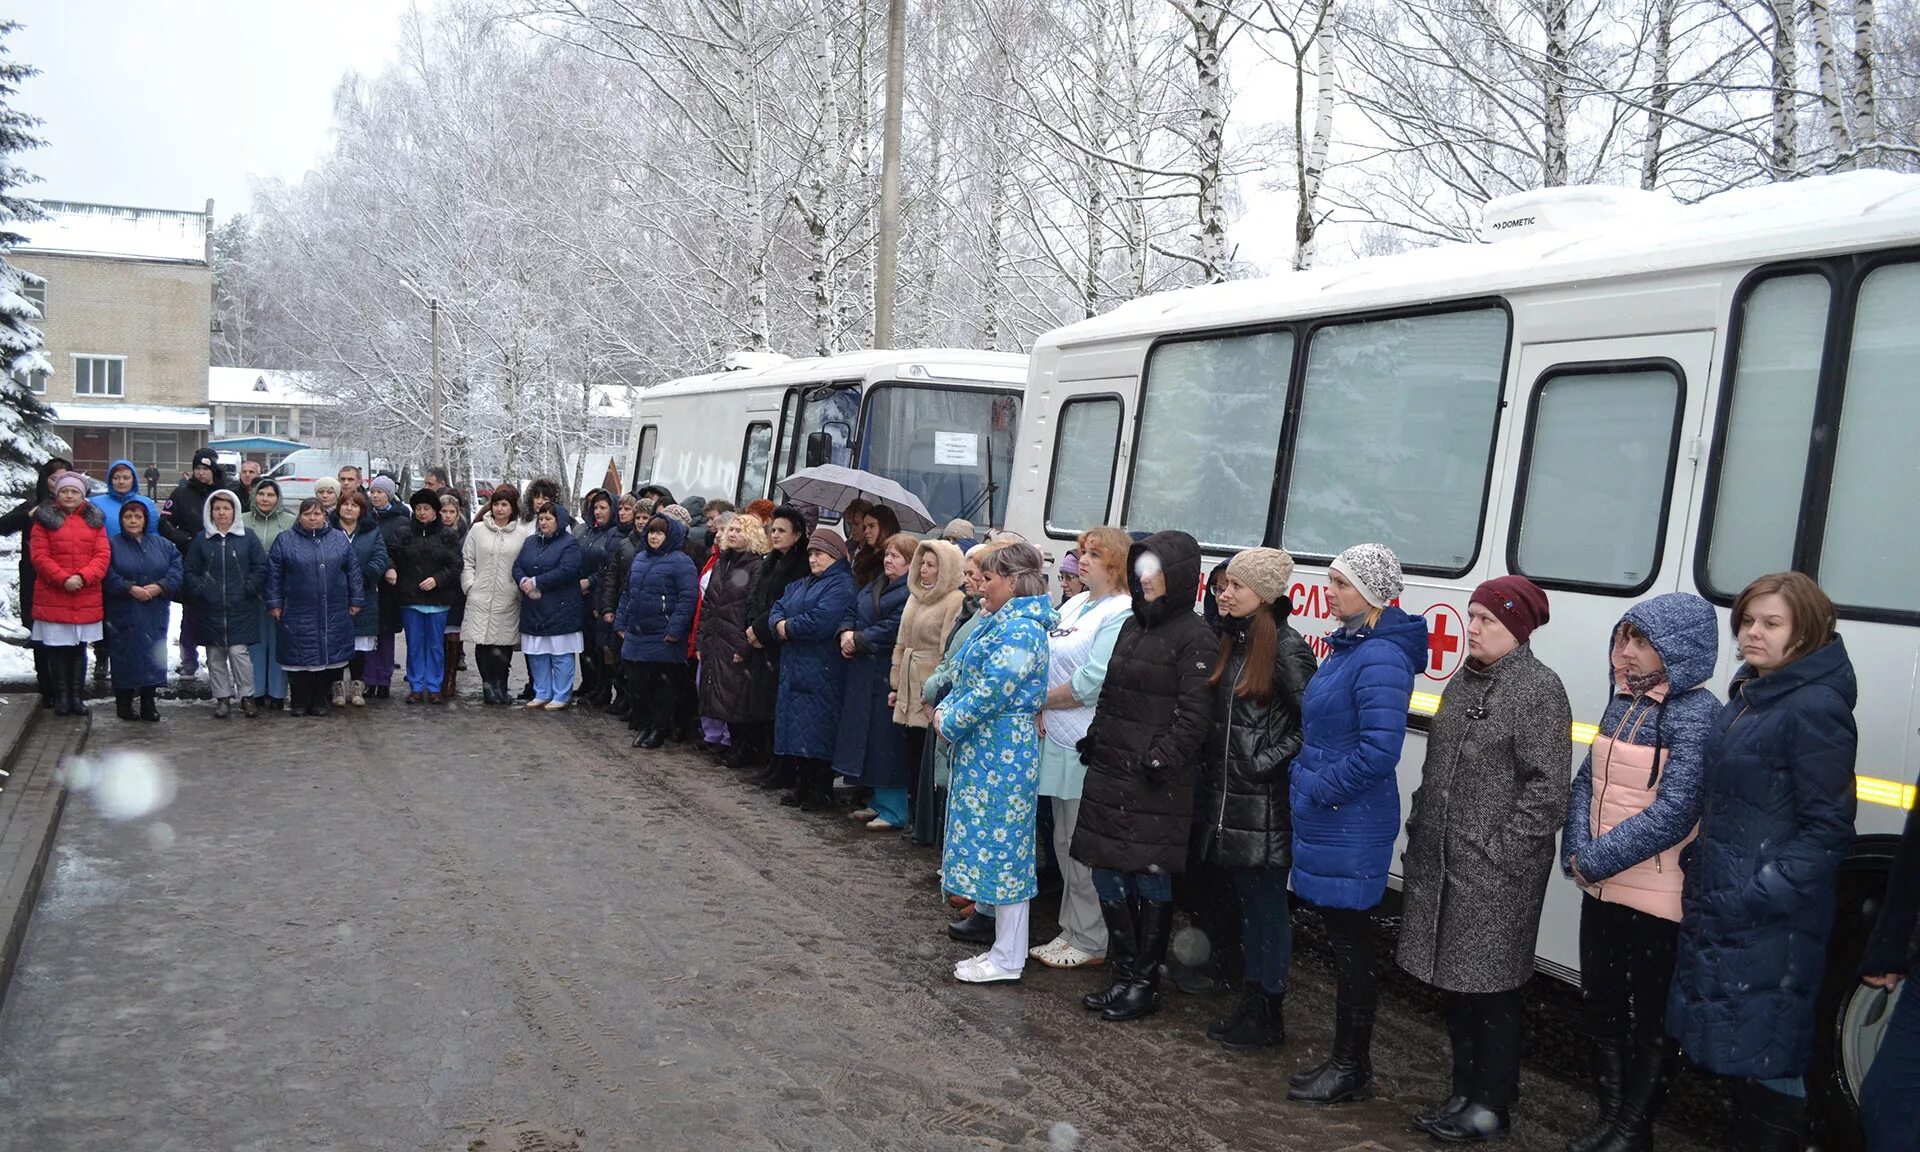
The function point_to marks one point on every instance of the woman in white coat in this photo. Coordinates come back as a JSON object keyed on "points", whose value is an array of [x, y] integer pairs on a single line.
{"points": [[492, 621]]}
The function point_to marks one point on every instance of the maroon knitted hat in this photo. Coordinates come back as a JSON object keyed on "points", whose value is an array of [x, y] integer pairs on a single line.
{"points": [[1515, 601]]}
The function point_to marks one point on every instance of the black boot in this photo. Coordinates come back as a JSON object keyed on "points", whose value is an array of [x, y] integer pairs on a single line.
{"points": [[1765, 1120], [1473, 1124], [77, 681], [43, 676], [149, 707], [1609, 1059], [66, 700], [1260, 1025], [975, 929], [1347, 1072], [1241, 1007], [1122, 940], [1141, 996], [123, 706], [1649, 1070]]}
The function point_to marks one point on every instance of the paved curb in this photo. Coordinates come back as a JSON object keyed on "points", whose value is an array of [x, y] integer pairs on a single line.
{"points": [[32, 745]]}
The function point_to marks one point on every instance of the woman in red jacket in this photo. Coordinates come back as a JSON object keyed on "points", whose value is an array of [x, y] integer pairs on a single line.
{"points": [[70, 558]]}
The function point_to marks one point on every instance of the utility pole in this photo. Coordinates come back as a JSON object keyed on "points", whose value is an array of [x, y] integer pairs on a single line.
{"points": [[433, 387], [890, 174]]}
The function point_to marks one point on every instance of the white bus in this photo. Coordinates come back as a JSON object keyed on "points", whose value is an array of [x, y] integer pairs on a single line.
{"points": [[1642, 401], [941, 422]]}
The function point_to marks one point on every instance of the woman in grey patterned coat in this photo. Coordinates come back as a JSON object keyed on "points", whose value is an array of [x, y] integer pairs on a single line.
{"points": [[1480, 849]]}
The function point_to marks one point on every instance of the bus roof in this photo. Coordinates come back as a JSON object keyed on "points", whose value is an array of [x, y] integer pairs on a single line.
{"points": [[946, 364], [1800, 218]]}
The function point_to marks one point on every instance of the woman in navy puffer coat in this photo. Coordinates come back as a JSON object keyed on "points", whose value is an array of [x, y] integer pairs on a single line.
{"points": [[314, 588], [653, 620], [551, 607], [137, 629], [813, 675], [1759, 900], [1345, 794]]}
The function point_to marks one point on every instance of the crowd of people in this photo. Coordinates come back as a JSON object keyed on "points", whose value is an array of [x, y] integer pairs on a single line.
{"points": [[941, 679]]}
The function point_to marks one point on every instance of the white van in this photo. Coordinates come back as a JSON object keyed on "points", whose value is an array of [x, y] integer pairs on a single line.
{"points": [[297, 472], [1675, 399]]}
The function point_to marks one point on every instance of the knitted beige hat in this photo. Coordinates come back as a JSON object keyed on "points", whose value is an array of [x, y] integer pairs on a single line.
{"points": [[1265, 570]]}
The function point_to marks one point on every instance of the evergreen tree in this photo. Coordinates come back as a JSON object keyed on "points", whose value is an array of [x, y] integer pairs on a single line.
{"points": [[26, 423]]}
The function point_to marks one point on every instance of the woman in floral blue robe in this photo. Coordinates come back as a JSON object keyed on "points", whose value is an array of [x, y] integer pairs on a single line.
{"points": [[1000, 680]]}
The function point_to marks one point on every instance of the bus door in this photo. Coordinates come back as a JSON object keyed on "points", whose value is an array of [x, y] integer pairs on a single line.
{"points": [[1604, 452]]}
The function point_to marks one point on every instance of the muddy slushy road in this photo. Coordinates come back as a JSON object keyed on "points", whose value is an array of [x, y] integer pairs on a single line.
{"points": [[477, 930]]}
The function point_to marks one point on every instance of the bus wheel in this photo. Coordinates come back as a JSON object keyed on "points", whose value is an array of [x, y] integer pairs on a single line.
{"points": [[1849, 1016]]}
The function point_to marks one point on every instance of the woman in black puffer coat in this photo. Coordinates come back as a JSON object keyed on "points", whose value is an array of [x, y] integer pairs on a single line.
{"points": [[1142, 753], [784, 563], [426, 562], [1246, 824]]}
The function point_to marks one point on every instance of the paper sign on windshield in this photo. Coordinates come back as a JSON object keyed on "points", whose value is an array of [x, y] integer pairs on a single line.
{"points": [[961, 448]]}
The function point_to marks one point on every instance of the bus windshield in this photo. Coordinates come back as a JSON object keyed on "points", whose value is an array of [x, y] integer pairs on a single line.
{"points": [[945, 445]]}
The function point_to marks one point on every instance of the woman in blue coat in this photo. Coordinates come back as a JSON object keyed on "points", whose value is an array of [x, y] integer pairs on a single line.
{"points": [[1345, 795], [813, 675], [144, 576], [653, 621], [1758, 904], [551, 607], [314, 589], [870, 747], [356, 519]]}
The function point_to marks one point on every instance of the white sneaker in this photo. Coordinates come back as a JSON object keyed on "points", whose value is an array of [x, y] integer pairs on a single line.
{"points": [[862, 814], [536, 702], [556, 705], [358, 697], [339, 694], [878, 824], [982, 970]]}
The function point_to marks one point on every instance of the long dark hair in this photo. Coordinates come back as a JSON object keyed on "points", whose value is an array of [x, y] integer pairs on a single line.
{"points": [[869, 562], [1263, 652]]}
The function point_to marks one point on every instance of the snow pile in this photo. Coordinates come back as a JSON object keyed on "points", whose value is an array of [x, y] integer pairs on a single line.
{"points": [[263, 386]]}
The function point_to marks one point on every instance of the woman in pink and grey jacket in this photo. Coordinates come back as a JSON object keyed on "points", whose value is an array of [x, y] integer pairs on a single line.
{"points": [[1635, 804]]}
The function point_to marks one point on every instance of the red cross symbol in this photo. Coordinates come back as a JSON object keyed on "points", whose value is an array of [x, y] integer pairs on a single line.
{"points": [[1443, 642]]}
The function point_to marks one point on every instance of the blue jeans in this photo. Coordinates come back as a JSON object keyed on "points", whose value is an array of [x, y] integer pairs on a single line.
{"points": [[552, 677], [1266, 927], [1890, 1096], [890, 804], [269, 679], [426, 649], [1114, 887]]}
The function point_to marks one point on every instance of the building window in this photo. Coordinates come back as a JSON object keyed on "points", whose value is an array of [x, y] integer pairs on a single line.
{"points": [[36, 380], [307, 424], [99, 376], [255, 422], [34, 288]]}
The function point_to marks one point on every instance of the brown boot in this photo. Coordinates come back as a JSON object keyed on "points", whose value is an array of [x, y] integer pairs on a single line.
{"points": [[451, 679]]}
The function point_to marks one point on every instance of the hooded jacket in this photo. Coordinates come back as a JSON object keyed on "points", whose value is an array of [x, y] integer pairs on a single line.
{"points": [[1245, 821], [226, 576], [656, 608], [1636, 798], [870, 747], [598, 543], [1761, 890], [182, 516], [314, 578], [921, 643], [730, 668], [1143, 749], [110, 502], [553, 562], [813, 674], [63, 545], [137, 629], [486, 576], [1343, 790], [268, 525]]}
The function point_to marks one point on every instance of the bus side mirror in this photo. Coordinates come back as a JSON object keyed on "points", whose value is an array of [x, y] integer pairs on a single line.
{"points": [[819, 449]]}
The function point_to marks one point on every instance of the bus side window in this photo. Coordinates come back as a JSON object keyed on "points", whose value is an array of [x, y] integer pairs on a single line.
{"points": [[1597, 477], [1870, 556], [1209, 437], [1767, 424], [1086, 445], [755, 456], [1395, 437]]}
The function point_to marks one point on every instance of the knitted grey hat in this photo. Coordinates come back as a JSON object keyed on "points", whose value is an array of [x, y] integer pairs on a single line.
{"points": [[1264, 570], [1373, 570]]}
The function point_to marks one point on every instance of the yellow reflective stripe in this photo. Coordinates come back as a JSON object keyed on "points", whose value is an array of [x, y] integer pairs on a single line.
{"points": [[1584, 733], [1891, 793], [1428, 704]]}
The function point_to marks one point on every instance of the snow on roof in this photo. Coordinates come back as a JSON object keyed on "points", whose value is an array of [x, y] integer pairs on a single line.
{"points": [[905, 364], [110, 230], [261, 386], [1842, 212], [131, 416], [614, 401]]}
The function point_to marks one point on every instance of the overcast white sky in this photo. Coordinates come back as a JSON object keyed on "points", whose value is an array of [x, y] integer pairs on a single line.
{"points": [[164, 103]]}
